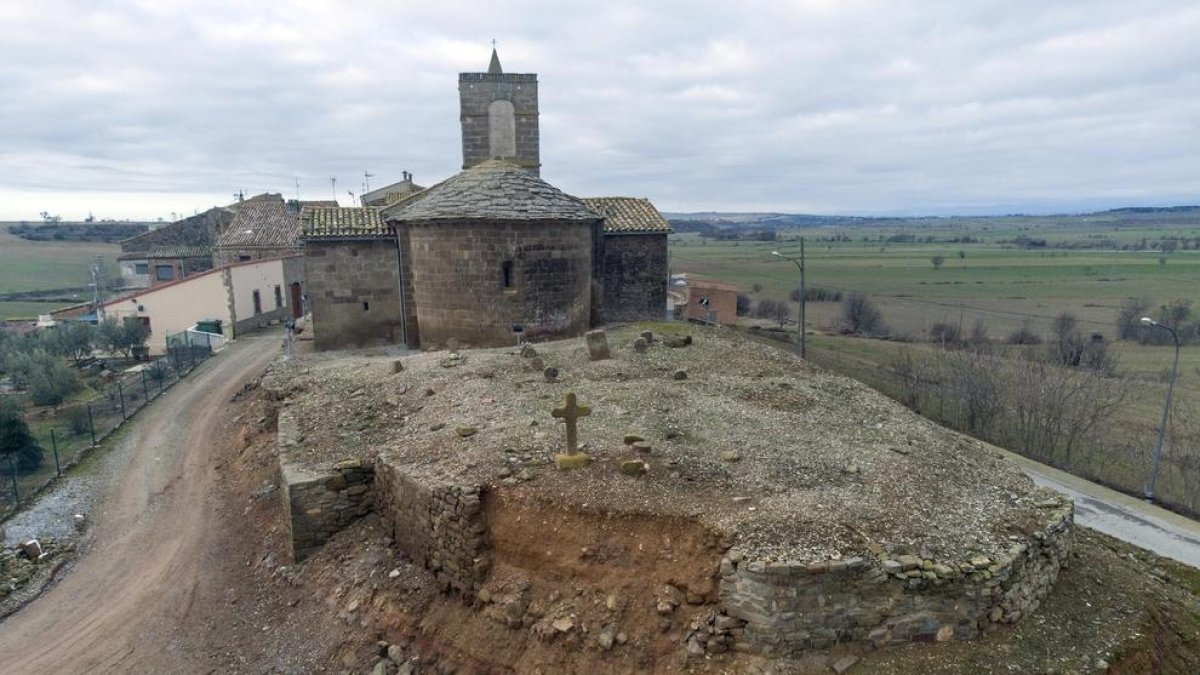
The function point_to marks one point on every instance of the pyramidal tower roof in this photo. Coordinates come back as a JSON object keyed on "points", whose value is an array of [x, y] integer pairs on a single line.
{"points": [[494, 65], [492, 190]]}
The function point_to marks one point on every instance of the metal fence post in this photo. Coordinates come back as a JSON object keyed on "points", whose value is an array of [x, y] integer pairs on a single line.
{"points": [[12, 467], [145, 389], [54, 444], [121, 394], [92, 425]]}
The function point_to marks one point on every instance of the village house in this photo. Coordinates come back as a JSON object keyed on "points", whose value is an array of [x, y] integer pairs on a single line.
{"points": [[173, 251], [707, 300], [264, 226], [243, 296], [488, 256]]}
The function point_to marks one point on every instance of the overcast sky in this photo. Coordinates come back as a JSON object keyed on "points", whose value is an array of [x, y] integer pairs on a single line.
{"points": [[143, 108]]}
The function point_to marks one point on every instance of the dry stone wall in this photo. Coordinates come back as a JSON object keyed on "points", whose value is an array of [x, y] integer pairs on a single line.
{"points": [[784, 608], [441, 526], [319, 505]]}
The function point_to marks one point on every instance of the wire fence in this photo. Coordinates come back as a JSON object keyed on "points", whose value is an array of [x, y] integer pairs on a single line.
{"points": [[68, 434]]}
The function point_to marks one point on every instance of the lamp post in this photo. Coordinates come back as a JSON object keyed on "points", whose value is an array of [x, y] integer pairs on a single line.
{"points": [[800, 346], [1162, 429]]}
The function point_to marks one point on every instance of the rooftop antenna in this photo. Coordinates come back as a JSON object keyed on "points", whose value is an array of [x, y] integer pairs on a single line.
{"points": [[367, 181], [240, 195], [333, 186], [351, 196], [297, 188]]}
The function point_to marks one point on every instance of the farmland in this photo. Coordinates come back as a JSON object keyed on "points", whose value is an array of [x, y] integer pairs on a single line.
{"points": [[40, 265], [985, 274]]}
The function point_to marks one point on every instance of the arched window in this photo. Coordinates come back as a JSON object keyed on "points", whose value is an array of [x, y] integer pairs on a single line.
{"points": [[502, 129]]}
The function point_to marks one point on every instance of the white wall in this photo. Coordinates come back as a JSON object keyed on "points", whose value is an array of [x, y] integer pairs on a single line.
{"points": [[262, 276], [175, 307]]}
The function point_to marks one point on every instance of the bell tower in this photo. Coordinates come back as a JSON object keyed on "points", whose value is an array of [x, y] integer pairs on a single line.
{"points": [[499, 115]]}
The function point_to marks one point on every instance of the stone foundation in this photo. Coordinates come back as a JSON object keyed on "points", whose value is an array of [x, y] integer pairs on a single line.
{"points": [[785, 608], [319, 506], [439, 526]]}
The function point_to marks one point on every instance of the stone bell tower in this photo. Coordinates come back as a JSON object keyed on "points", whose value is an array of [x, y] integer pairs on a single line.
{"points": [[499, 114]]}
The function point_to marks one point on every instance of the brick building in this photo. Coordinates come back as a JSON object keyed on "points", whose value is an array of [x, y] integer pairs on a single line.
{"points": [[489, 251]]}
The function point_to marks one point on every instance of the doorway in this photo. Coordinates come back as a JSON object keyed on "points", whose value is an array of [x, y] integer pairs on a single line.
{"points": [[297, 302]]}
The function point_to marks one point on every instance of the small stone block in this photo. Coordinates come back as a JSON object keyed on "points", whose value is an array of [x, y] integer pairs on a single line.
{"points": [[630, 439], [680, 375], [844, 664], [572, 461], [634, 467], [550, 373], [466, 432], [640, 446], [640, 345]]}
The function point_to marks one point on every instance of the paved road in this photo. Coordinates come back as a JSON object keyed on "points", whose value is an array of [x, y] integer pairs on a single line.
{"points": [[155, 538], [1118, 515]]}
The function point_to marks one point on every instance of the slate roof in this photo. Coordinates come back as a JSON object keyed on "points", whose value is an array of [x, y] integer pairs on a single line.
{"points": [[261, 223], [318, 222], [492, 190], [628, 215], [390, 194], [177, 251]]}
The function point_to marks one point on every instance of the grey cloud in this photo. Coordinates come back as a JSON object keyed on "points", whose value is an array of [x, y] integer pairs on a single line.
{"points": [[816, 105]]}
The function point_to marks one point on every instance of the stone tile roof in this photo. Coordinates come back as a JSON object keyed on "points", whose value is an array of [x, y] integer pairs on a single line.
{"points": [[168, 251], [492, 190], [628, 214], [318, 222], [261, 223]]}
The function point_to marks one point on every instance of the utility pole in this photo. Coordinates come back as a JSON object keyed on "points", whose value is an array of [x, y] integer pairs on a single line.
{"points": [[1162, 429], [801, 350]]}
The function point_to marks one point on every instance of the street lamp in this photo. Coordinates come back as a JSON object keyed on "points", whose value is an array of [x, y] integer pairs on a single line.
{"points": [[1162, 429], [800, 346]]}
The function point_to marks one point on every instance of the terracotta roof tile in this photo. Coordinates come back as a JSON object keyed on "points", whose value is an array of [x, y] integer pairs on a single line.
{"points": [[628, 214], [340, 222], [261, 223]]}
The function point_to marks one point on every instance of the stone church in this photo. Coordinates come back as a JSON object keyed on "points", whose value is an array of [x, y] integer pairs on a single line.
{"points": [[489, 255]]}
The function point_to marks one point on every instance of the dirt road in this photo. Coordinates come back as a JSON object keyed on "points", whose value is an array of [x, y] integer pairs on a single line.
{"points": [[157, 541]]}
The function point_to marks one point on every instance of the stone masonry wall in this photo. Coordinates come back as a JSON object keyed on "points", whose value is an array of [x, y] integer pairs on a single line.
{"points": [[319, 506], [476, 92], [458, 280], [785, 608], [634, 277], [440, 526], [353, 291]]}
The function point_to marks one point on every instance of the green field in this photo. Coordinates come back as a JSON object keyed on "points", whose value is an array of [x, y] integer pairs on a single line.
{"points": [[998, 283], [991, 279], [38, 265]]}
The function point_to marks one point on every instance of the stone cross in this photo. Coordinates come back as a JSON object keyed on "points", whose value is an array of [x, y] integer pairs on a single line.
{"points": [[569, 413]]}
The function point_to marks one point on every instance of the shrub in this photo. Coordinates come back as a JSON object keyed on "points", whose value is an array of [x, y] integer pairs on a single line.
{"points": [[1024, 336], [743, 304], [17, 445], [860, 316]]}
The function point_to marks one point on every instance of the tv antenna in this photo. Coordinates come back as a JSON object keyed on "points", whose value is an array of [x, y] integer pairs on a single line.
{"points": [[297, 189], [240, 195], [367, 181], [333, 186]]}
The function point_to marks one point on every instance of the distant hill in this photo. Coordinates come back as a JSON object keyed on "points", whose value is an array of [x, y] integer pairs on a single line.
{"points": [[106, 231], [712, 221]]}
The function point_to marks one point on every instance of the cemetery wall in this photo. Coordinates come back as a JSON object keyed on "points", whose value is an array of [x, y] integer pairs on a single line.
{"points": [[319, 506], [784, 608], [441, 526]]}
